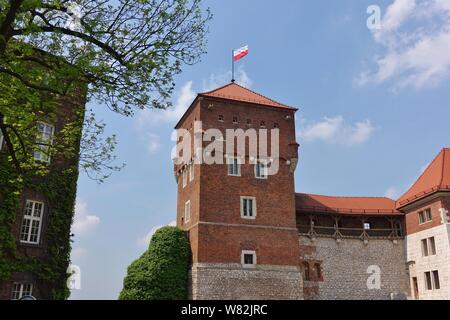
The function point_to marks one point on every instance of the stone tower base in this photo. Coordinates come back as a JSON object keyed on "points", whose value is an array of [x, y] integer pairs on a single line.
{"points": [[232, 282]]}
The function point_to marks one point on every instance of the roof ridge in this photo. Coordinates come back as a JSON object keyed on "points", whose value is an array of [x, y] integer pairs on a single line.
{"points": [[216, 89], [322, 195], [444, 153], [261, 95]]}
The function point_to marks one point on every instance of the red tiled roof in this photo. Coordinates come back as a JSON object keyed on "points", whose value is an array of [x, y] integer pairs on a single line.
{"points": [[345, 205], [233, 91], [436, 177]]}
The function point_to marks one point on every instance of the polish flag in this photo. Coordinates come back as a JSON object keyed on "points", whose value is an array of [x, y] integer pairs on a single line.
{"points": [[240, 53]]}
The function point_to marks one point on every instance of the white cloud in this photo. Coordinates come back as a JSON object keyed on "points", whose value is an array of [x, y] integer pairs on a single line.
{"points": [[84, 222], [393, 193], [185, 97], [77, 253], [415, 38], [337, 131], [145, 241], [153, 143], [216, 80]]}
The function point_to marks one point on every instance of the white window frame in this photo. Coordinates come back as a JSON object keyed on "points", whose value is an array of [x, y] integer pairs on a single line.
{"points": [[248, 252], [187, 211], [231, 162], [243, 215], [367, 226], [39, 154], [263, 168], [191, 172], [31, 218], [19, 288], [184, 174]]}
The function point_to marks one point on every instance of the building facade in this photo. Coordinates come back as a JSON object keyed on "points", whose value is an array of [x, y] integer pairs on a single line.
{"points": [[253, 237], [35, 261]]}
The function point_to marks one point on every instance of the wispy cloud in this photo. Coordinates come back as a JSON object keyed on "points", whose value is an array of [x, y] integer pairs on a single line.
{"points": [[393, 193], [84, 221], [336, 131], [415, 39], [184, 99], [145, 240], [77, 253], [216, 80]]}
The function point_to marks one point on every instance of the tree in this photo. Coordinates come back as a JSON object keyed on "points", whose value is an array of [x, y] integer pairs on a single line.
{"points": [[161, 273], [126, 51]]}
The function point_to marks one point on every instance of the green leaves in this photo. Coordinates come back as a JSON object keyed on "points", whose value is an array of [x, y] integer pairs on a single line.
{"points": [[161, 273]]}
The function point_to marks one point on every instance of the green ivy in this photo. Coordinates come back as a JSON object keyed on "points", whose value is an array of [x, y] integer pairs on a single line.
{"points": [[161, 273], [58, 186]]}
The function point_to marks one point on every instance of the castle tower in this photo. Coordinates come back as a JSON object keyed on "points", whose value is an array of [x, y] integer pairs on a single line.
{"points": [[239, 214]]}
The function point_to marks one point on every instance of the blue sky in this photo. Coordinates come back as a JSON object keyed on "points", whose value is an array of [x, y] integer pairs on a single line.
{"points": [[374, 110]]}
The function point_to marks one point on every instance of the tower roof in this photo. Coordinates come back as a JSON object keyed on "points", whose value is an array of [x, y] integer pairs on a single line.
{"points": [[345, 205], [436, 177], [233, 91]]}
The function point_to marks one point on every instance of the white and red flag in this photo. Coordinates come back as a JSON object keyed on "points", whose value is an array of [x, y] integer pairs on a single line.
{"points": [[240, 53]]}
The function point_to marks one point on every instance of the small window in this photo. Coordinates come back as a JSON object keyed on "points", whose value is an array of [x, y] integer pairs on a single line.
{"points": [[318, 270], [221, 118], [262, 124], [235, 120], [44, 141], [306, 273], [234, 167], [191, 172], [276, 125], [248, 207], [261, 170], [428, 215], [187, 211], [21, 290], [248, 258], [421, 217], [424, 248], [249, 122], [367, 226], [428, 283], [432, 246], [436, 282], [32, 222], [184, 178]]}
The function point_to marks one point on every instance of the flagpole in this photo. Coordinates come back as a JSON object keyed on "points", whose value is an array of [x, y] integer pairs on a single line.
{"points": [[232, 65]]}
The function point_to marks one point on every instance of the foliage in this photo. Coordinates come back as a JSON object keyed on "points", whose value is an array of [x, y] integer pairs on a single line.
{"points": [[161, 273], [58, 186]]}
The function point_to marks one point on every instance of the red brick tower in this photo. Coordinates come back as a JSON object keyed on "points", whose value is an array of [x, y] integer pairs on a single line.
{"points": [[241, 221]]}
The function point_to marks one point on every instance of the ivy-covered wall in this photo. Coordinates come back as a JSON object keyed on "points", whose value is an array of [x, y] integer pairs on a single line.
{"points": [[56, 183]]}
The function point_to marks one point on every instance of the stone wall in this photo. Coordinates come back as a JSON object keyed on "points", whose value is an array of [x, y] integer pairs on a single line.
{"points": [[344, 267], [232, 282], [439, 262]]}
